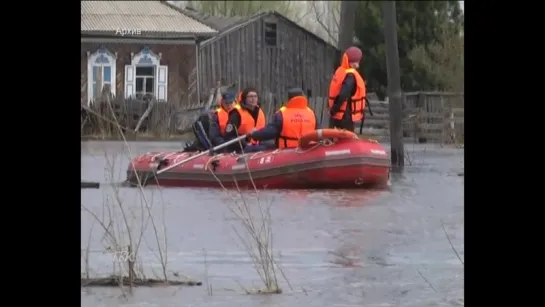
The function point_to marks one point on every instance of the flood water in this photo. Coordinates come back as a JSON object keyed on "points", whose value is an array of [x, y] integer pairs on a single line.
{"points": [[336, 248]]}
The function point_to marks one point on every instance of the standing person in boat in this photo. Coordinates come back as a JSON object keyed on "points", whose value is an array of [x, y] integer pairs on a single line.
{"points": [[292, 121], [347, 92]]}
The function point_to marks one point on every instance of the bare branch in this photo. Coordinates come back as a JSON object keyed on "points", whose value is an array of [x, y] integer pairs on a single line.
{"points": [[321, 19]]}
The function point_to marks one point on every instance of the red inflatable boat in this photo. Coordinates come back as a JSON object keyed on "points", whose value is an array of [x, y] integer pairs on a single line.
{"points": [[326, 159]]}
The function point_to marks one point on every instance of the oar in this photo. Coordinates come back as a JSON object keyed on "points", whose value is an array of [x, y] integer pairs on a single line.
{"points": [[204, 153]]}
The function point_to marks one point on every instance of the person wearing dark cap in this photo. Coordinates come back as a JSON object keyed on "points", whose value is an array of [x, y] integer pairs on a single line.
{"points": [[292, 121], [225, 122], [347, 92]]}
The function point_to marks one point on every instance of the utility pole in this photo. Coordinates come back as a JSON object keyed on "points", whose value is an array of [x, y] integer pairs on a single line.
{"points": [[347, 19], [397, 152]]}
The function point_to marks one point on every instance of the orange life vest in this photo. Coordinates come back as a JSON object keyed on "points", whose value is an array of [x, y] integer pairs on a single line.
{"points": [[238, 100], [357, 100], [223, 119], [297, 120], [249, 120], [248, 123]]}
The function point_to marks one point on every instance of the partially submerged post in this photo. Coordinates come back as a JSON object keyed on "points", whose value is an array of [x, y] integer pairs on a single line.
{"points": [[346, 25], [90, 185], [395, 95]]}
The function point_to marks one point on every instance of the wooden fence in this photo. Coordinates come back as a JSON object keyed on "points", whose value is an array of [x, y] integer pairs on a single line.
{"points": [[149, 116], [435, 117], [428, 116]]}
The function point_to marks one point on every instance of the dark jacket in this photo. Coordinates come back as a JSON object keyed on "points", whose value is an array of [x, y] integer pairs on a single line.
{"points": [[348, 89], [273, 129]]}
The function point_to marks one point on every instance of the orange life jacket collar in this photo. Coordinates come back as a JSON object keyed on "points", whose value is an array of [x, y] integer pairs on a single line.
{"points": [[224, 109], [297, 102]]}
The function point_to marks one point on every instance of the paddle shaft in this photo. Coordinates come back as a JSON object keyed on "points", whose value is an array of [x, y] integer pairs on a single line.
{"points": [[201, 154]]}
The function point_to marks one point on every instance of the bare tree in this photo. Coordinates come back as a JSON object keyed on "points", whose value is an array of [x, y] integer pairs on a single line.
{"points": [[325, 18], [318, 17], [240, 8]]}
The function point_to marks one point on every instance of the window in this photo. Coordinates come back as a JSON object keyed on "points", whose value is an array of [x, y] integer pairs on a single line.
{"points": [[145, 81], [270, 34], [145, 77], [101, 71]]}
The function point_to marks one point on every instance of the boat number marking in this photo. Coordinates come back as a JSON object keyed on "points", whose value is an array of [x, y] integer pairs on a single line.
{"points": [[265, 160], [378, 152], [337, 152]]}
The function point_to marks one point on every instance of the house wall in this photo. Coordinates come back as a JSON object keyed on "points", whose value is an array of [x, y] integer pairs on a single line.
{"points": [[298, 60], [180, 60]]}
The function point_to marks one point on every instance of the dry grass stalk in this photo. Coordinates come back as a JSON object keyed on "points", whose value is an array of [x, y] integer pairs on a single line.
{"points": [[451, 245], [117, 220], [257, 239], [453, 249]]}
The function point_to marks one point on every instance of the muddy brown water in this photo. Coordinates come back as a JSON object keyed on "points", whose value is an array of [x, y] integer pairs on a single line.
{"points": [[336, 248]]}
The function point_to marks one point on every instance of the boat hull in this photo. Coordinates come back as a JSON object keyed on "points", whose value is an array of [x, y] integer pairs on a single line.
{"points": [[345, 164]]}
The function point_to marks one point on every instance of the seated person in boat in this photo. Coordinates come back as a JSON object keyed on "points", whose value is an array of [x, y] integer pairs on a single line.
{"points": [[292, 121], [229, 121], [249, 108], [249, 103]]}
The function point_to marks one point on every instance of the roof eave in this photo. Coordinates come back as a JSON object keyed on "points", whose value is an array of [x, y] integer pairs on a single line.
{"points": [[147, 38]]}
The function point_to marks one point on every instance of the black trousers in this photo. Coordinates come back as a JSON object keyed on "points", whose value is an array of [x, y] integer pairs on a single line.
{"points": [[342, 124]]}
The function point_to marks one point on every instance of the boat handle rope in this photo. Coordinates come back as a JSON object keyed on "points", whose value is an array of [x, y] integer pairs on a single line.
{"points": [[256, 155], [212, 159], [372, 140], [322, 142]]}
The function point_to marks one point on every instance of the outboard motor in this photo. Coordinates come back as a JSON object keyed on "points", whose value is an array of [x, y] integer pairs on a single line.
{"points": [[200, 130]]}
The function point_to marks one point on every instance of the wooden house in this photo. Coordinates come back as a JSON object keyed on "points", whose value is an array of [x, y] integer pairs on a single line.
{"points": [[268, 51], [138, 49]]}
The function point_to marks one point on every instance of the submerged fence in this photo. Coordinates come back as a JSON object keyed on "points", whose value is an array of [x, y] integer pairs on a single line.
{"points": [[436, 117]]}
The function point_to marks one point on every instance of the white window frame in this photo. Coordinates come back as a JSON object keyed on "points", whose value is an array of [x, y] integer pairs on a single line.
{"points": [[101, 58], [146, 58]]}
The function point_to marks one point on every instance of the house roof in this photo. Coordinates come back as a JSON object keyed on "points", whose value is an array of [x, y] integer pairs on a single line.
{"points": [[150, 18], [216, 22], [226, 24]]}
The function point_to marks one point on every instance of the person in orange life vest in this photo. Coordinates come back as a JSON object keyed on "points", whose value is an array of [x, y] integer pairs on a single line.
{"points": [[249, 102], [347, 92], [227, 123], [292, 121]]}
